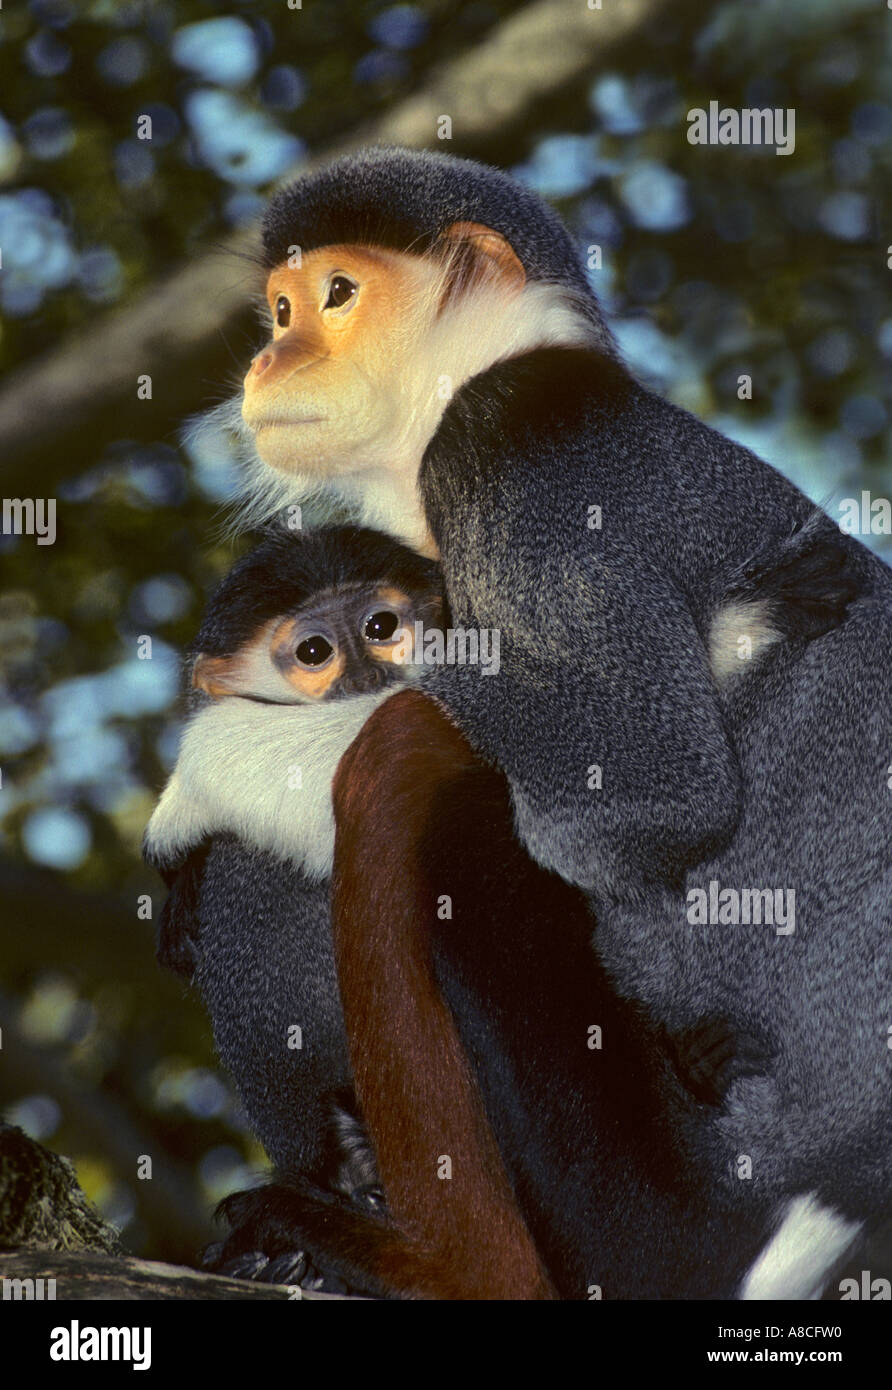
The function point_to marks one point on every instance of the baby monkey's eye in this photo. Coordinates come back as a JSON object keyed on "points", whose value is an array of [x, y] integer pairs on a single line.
{"points": [[340, 291], [314, 651], [380, 627], [283, 311]]}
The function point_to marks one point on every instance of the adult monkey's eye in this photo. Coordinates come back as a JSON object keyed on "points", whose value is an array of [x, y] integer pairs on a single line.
{"points": [[283, 311], [314, 651], [380, 627], [340, 292]]}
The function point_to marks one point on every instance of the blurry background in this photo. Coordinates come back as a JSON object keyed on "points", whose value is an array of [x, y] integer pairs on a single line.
{"points": [[117, 260]]}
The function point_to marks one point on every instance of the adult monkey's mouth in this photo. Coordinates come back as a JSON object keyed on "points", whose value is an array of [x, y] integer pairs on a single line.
{"points": [[258, 427]]}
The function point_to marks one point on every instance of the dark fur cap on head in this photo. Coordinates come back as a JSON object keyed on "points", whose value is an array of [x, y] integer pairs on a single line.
{"points": [[289, 566], [405, 199]]}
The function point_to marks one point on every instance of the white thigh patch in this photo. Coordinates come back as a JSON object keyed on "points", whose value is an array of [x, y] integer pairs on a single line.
{"points": [[798, 1259]]}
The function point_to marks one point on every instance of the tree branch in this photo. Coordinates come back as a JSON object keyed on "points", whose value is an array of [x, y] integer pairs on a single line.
{"points": [[81, 1276], [48, 1230], [171, 1204]]}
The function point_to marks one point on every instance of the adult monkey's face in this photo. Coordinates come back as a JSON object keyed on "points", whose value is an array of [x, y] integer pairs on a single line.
{"points": [[349, 379], [326, 384]]}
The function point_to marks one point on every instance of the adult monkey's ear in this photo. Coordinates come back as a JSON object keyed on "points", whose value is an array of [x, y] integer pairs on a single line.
{"points": [[483, 254]]}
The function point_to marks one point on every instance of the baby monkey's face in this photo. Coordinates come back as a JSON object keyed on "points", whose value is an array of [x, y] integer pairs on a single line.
{"points": [[353, 640]]}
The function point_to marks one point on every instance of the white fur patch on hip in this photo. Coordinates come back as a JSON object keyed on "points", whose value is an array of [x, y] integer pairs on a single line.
{"points": [[799, 1258]]}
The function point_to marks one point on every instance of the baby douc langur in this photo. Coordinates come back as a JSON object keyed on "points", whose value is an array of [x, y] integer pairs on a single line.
{"points": [[303, 639], [324, 622]]}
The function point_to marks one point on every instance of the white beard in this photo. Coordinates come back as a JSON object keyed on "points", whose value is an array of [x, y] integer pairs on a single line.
{"points": [[373, 484]]}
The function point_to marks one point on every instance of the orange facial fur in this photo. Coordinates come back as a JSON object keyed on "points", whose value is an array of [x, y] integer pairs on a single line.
{"points": [[351, 381], [269, 665], [311, 685], [324, 360]]}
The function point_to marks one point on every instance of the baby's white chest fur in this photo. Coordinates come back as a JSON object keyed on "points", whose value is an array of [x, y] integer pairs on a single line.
{"points": [[261, 772]]}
